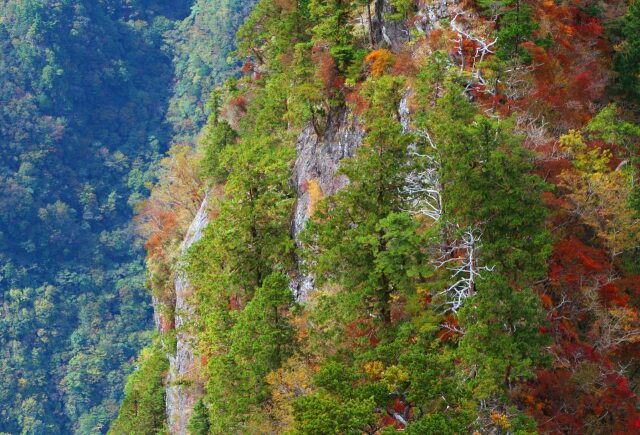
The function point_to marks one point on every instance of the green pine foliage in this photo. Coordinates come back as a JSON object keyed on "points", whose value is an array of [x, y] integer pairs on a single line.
{"points": [[515, 24], [143, 407], [241, 260], [199, 421], [432, 309], [377, 335], [484, 168], [354, 240], [625, 62], [259, 341]]}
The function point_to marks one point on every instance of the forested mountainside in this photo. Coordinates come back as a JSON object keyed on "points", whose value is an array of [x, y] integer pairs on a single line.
{"points": [[91, 95], [420, 216]]}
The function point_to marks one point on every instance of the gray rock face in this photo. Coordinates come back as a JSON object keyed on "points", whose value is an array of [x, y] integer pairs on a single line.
{"points": [[393, 33], [184, 385], [430, 13], [314, 174]]}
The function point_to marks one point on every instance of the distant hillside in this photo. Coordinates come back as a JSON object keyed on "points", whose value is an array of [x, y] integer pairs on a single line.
{"points": [[85, 92]]}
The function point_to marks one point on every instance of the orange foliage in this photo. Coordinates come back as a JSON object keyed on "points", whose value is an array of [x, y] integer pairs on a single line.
{"points": [[380, 60], [449, 330], [435, 41], [161, 224], [315, 195], [286, 5], [164, 217]]}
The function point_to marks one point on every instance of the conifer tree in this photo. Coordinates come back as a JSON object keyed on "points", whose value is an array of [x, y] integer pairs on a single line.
{"points": [[348, 240], [258, 342], [626, 60]]}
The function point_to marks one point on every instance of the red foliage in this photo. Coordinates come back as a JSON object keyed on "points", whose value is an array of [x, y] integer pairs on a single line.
{"points": [[571, 400], [399, 408], [239, 104], [359, 329], [573, 261], [327, 71], [584, 391], [247, 68], [571, 74], [357, 102], [326, 68], [234, 303], [404, 65], [611, 295]]}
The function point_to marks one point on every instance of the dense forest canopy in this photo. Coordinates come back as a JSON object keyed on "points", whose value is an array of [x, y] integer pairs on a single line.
{"points": [[422, 216], [479, 271], [86, 89]]}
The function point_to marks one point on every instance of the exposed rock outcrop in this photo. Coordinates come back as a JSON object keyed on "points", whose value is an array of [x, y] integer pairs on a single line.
{"points": [[314, 174], [184, 385], [389, 31], [318, 158], [430, 13]]}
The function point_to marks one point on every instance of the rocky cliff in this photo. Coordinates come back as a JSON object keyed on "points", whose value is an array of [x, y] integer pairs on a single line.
{"points": [[315, 175], [184, 386]]}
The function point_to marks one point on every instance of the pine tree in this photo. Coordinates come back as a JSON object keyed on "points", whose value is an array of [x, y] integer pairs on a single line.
{"points": [[143, 408], [199, 421], [514, 24], [348, 239], [626, 59], [258, 342]]}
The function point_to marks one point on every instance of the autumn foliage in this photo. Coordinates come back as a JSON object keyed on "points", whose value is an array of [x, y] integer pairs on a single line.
{"points": [[479, 270], [380, 61]]}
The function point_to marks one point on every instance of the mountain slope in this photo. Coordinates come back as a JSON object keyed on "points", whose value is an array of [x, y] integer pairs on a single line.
{"points": [[82, 90], [422, 217]]}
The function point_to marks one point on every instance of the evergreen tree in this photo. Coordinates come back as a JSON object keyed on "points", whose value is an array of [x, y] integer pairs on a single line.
{"points": [[514, 24], [348, 240], [258, 342], [626, 59], [143, 408], [199, 422]]}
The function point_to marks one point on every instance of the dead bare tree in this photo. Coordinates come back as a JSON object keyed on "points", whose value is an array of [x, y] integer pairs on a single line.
{"points": [[462, 259], [483, 49]]}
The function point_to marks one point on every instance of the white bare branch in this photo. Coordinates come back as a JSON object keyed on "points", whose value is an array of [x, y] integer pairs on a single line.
{"points": [[483, 49], [462, 260], [422, 190], [422, 185]]}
